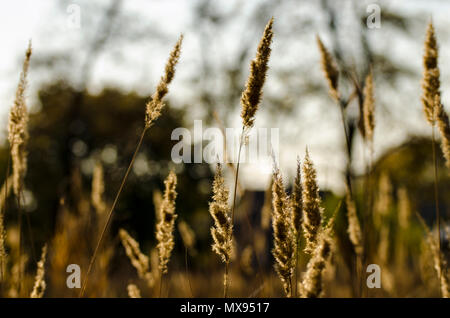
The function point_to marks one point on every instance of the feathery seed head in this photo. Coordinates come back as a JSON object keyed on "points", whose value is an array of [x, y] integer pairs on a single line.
{"points": [[369, 108], [430, 81], [283, 234], [139, 260], [252, 94], [354, 227], [312, 285], [164, 229], [156, 104], [39, 281], [222, 230], [329, 69], [98, 188], [312, 212], [18, 127]]}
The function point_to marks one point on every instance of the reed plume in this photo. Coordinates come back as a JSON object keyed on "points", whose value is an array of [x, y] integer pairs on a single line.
{"points": [[312, 284], [39, 281], [329, 69], [430, 81], [18, 128], [139, 260], [156, 104], [283, 234], [222, 230], [312, 212], [354, 227], [133, 291], [369, 108], [251, 97], [165, 227], [444, 127]]}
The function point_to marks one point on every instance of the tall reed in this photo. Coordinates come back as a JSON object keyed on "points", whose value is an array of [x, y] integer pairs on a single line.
{"points": [[431, 96], [152, 113], [251, 96]]}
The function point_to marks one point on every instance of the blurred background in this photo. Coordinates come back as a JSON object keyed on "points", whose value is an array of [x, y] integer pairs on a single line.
{"points": [[95, 64]]}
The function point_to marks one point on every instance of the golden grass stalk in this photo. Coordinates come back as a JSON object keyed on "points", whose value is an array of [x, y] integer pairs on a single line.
{"points": [[165, 227], [251, 97], [133, 291], [312, 212], [444, 128], [329, 69], [222, 230], [39, 281], [18, 128], [369, 108], [98, 188], [139, 260], [153, 111], [354, 227], [283, 234], [187, 234], [430, 81], [312, 284]]}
